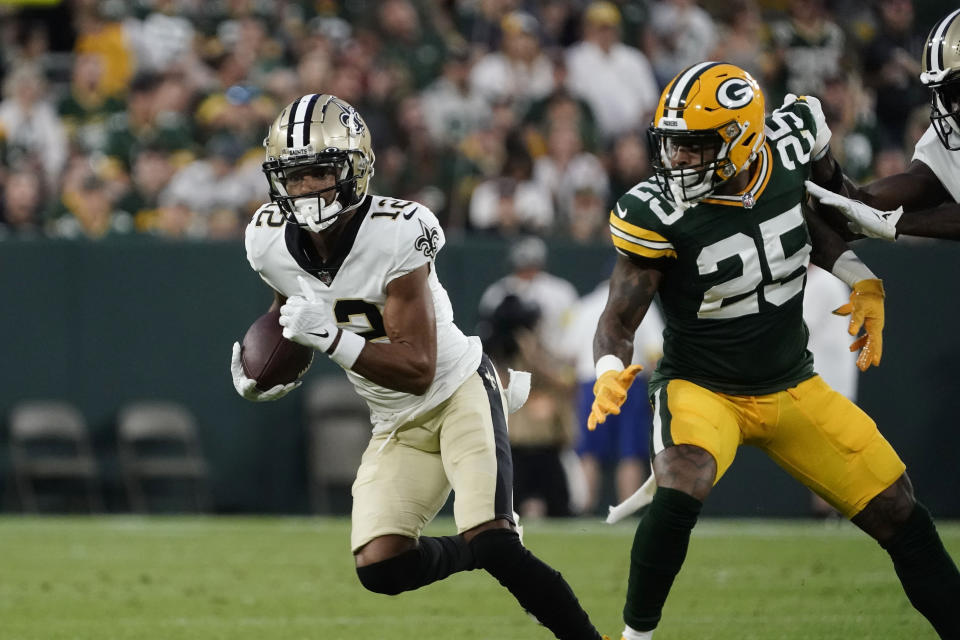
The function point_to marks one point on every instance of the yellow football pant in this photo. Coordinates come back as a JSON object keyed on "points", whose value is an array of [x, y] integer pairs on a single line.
{"points": [[816, 434]]}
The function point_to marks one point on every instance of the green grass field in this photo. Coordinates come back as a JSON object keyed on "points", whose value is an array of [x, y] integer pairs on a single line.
{"points": [[292, 578]]}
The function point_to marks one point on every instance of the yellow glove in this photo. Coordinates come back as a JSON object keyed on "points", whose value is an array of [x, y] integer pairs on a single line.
{"points": [[610, 392], [866, 310]]}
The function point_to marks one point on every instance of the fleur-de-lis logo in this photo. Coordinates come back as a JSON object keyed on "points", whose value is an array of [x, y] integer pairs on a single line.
{"points": [[350, 118], [428, 240]]}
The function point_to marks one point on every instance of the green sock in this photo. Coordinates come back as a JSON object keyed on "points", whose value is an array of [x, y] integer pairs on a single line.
{"points": [[659, 547]]}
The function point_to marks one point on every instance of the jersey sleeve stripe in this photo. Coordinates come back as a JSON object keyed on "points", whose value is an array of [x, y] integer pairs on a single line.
{"points": [[616, 222], [650, 244], [633, 248]]}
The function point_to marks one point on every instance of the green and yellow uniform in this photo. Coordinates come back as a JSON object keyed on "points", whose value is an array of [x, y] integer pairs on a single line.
{"points": [[736, 368]]}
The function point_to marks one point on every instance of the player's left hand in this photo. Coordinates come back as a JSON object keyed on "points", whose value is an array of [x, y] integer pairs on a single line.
{"points": [[861, 218], [866, 310], [307, 320]]}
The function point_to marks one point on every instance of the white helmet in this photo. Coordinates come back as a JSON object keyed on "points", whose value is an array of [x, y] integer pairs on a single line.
{"points": [[941, 74]]}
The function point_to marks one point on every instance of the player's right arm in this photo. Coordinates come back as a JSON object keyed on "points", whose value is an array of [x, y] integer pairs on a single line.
{"points": [[633, 283]]}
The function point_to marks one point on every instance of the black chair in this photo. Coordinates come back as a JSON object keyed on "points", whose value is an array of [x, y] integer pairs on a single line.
{"points": [[51, 455], [338, 429], [159, 449]]}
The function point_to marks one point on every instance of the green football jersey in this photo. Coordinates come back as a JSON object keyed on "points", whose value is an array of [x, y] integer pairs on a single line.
{"points": [[734, 268]]}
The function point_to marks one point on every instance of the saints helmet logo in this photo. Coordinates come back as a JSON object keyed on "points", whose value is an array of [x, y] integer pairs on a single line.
{"points": [[349, 118], [428, 241]]}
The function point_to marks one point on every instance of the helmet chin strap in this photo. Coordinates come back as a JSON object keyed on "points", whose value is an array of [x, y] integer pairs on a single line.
{"points": [[314, 217]]}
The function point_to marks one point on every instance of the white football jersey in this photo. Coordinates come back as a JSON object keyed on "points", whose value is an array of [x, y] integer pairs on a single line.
{"points": [[385, 239], [944, 163]]}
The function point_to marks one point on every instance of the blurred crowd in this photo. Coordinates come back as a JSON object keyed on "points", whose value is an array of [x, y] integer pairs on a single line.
{"points": [[506, 117]]}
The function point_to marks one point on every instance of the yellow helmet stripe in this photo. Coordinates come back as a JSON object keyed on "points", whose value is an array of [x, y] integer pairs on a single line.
{"points": [[676, 99]]}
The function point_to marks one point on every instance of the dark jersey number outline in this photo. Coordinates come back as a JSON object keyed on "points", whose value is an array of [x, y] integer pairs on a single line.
{"points": [[346, 310]]}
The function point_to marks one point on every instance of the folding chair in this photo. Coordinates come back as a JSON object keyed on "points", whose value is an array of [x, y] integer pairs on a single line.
{"points": [[338, 426], [158, 445], [50, 446]]}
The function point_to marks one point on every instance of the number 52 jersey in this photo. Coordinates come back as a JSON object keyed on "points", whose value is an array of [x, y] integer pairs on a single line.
{"points": [[384, 239], [734, 268]]}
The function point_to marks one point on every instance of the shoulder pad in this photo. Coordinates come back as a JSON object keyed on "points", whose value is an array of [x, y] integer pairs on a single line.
{"points": [[641, 220]]}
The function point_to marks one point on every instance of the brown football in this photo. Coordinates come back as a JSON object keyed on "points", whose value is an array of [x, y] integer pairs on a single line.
{"points": [[268, 357]]}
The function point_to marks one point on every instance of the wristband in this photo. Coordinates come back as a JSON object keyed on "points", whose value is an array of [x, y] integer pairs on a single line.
{"points": [[347, 349], [850, 269], [608, 362]]}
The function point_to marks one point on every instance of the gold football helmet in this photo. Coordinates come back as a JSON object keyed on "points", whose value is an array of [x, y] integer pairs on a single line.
{"points": [[941, 74], [707, 128], [319, 132]]}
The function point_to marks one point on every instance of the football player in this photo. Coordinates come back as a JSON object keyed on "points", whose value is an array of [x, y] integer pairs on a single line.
{"points": [[922, 201], [353, 276], [720, 234]]}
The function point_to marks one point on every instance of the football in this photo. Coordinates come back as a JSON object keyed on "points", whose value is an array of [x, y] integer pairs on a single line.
{"points": [[268, 357]]}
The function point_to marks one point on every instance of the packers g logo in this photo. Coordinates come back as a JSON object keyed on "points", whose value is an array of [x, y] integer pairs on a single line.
{"points": [[734, 93]]}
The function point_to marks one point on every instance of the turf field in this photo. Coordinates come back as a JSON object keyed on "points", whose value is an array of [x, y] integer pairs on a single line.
{"points": [[292, 578]]}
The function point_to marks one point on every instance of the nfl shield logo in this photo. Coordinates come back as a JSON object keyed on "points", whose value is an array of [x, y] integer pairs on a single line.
{"points": [[325, 277], [748, 200]]}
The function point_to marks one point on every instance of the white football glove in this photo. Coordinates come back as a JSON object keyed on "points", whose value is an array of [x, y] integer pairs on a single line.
{"points": [[308, 321], [247, 388], [861, 218]]}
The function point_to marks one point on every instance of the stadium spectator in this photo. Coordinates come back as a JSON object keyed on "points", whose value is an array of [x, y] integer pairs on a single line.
{"points": [[143, 125], [597, 69], [527, 313], [409, 44], [34, 133], [629, 165], [100, 34], [587, 222], [891, 65], [808, 46], [566, 169], [452, 109], [21, 206], [682, 33], [622, 445], [85, 110], [519, 72], [560, 107], [512, 203], [743, 39], [846, 107]]}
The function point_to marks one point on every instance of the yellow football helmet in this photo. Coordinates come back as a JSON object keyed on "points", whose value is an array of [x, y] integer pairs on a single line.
{"points": [[707, 128], [941, 74], [319, 131]]}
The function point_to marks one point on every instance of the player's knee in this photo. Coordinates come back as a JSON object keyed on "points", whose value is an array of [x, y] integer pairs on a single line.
{"points": [[391, 576], [495, 548], [888, 511]]}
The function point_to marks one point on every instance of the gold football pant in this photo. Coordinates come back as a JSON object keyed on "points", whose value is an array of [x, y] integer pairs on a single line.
{"points": [[404, 480], [816, 434]]}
